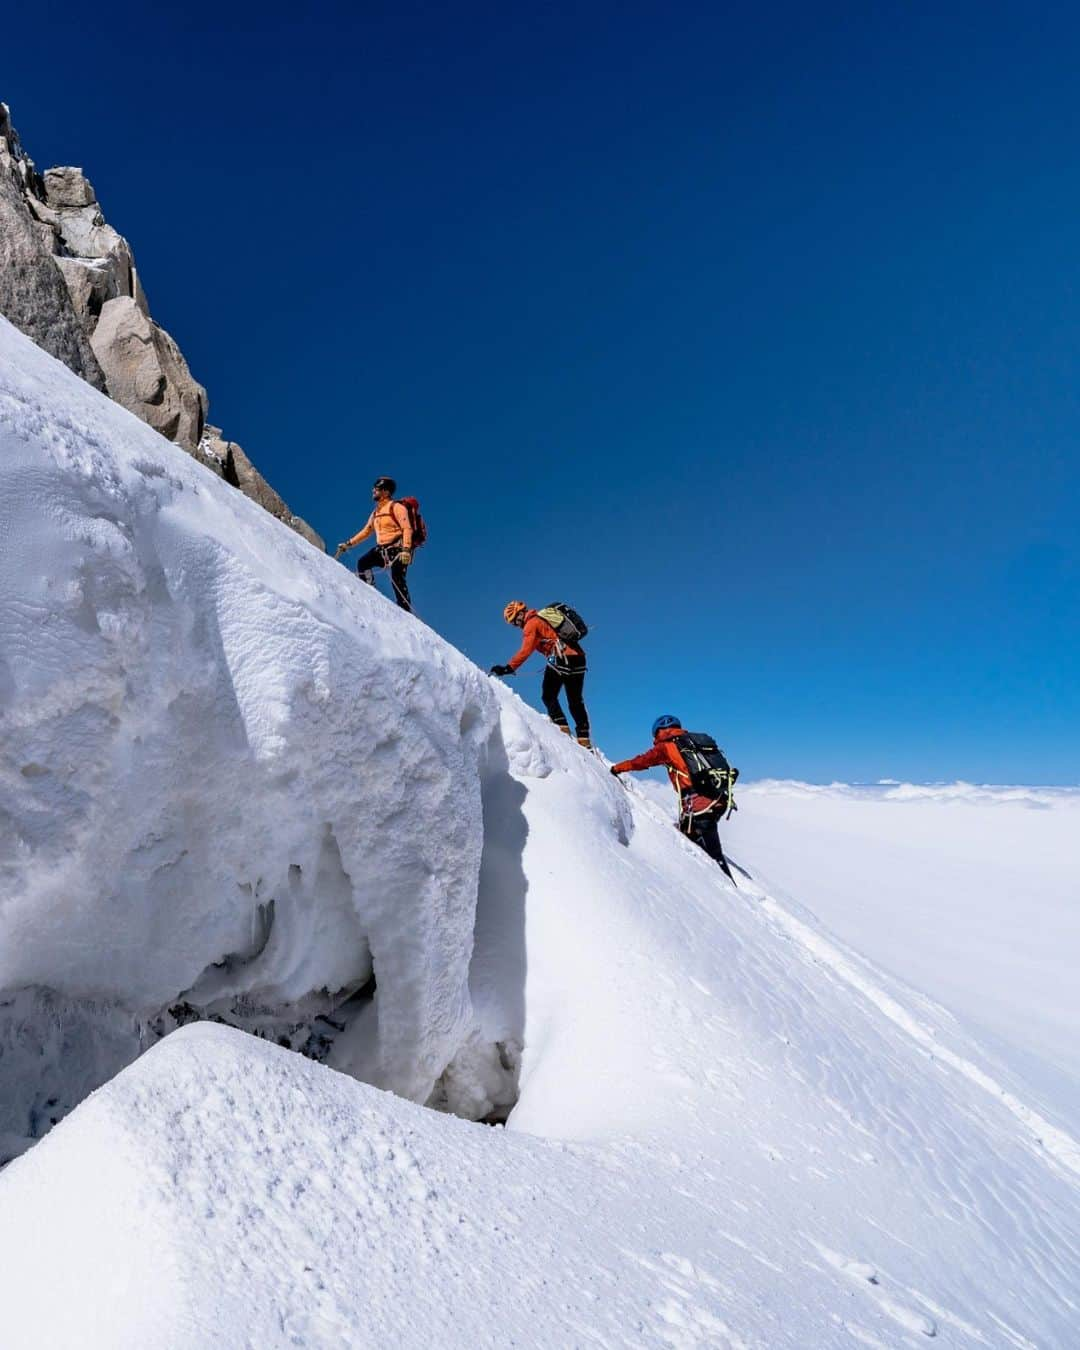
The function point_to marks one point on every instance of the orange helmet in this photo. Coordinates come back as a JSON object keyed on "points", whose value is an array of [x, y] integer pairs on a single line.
{"points": [[514, 611]]}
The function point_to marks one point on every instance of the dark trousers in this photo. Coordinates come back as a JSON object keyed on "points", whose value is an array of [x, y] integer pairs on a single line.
{"points": [[568, 675], [704, 830], [386, 555]]}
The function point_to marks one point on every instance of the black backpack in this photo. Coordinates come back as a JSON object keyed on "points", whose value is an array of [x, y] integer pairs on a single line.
{"points": [[710, 773], [567, 622]]}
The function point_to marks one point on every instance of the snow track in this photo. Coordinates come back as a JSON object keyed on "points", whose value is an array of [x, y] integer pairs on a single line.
{"points": [[1061, 1146]]}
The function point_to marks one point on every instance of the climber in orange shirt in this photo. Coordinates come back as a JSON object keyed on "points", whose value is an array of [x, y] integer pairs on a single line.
{"points": [[390, 524]]}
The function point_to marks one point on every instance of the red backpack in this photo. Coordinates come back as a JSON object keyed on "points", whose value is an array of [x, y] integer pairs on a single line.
{"points": [[416, 521]]}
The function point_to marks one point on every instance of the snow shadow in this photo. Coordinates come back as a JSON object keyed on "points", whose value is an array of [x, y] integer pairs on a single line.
{"points": [[55, 1051], [482, 1082]]}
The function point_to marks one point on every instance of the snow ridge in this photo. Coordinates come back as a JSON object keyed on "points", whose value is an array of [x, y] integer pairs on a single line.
{"points": [[235, 782], [230, 775]]}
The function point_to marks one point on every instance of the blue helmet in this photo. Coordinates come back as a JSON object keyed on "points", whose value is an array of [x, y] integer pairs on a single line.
{"points": [[663, 722]]}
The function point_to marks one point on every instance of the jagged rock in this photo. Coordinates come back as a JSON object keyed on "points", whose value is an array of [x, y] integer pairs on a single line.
{"points": [[118, 273], [90, 282], [84, 234], [69, 281], [213, 451], [68, 187], [145, 371], [45, 214], [137, 293], [240, 471], [33, 295], [243, 474], [303, 528]]}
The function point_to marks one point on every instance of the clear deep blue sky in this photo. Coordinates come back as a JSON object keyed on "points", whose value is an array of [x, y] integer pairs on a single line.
{"points": [[751, 331]]}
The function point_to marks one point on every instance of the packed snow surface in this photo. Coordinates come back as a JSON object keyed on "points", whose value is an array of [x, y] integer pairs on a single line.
{"points": [[233, 779], [971, 894]]}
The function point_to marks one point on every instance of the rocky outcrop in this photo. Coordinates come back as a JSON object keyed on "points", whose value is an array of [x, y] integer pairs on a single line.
{"points": [[67, 187], [32, 291], [234, 466], [69, 281], [147, 374]]}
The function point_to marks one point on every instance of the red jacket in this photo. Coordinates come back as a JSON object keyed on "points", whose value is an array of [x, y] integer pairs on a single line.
{"points": [[666, 753], [538, 635]]}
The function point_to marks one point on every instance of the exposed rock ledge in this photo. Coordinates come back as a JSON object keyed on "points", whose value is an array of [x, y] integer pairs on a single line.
{"points": [[69, 282]]}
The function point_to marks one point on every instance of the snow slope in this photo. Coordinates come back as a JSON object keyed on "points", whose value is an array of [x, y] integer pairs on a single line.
{"points": [[730, 1131], [229, 777], [970, 894]]}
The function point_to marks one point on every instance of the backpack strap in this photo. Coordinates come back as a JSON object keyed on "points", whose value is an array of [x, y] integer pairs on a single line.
{"points": [[560, 645], [397, 519]]}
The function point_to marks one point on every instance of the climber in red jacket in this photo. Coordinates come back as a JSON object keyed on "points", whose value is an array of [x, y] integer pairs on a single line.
{"points": [[699, 811]]}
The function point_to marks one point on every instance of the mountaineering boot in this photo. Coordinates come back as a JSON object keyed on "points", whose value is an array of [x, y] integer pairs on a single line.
{"points": [[726, 869], [564, 729], [584, 741]]}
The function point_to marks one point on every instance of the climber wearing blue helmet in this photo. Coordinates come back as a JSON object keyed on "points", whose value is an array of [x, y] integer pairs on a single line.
{"points": [[702, 778]]}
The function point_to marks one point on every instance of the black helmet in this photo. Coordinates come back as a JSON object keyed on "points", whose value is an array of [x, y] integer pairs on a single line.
{"points": [[385, 485]]}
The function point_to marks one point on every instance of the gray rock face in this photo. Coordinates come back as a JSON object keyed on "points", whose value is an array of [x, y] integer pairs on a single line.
{"points": [[84, 234], [32, 292], [90, 282], [145, 371], [69, 281], [302, 527], [229, 459], [240, 471], [67, 187]]}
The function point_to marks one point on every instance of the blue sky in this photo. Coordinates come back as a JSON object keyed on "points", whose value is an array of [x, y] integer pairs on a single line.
{"points": [[752, 334]]}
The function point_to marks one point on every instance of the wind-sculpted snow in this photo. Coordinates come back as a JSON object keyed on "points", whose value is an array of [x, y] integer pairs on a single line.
{"points": [[230, 778], [232, 782], [753, 1139]]}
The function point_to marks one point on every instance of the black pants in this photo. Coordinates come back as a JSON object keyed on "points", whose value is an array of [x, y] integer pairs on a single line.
{"points": [[386, 555], [569, 675], [704, 830]]}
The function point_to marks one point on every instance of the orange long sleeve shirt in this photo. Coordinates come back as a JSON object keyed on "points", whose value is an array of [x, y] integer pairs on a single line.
{"points": [[538, 635], [390, 522]]}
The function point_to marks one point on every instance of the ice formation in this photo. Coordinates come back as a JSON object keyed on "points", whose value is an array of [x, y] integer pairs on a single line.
{"points": [[235, 785]]}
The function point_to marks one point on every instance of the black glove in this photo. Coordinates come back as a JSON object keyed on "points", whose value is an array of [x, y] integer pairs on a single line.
{"points": [[501, 670], [614, 770]]}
